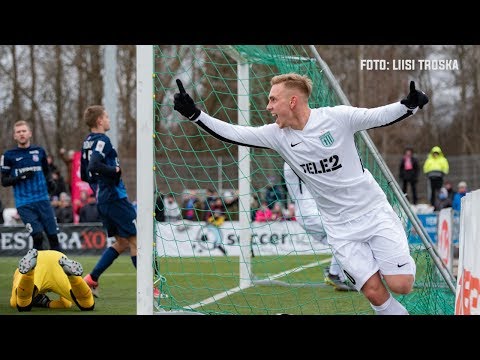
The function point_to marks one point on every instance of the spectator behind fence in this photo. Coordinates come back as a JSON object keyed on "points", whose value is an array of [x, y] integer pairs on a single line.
{"points": [[435, 167], [64, 209], [461, 192], [274, 192], [409, 170], [210, 198], [60, 185], [89, 212], [231, 205], [263, 214], [451, 193], [172, 210], [277, 212], [189, 199], [442, 201], [67, 157]]}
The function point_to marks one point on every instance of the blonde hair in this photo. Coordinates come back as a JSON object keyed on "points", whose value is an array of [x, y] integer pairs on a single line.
{"points": [[91, 114], [20, 123], [294, 81]]}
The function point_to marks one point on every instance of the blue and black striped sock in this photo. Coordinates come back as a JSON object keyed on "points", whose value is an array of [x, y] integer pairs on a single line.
{"points": [[105, 261]]}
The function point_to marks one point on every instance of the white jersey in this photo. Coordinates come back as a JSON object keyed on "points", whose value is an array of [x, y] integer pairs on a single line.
{"points": [[323, 154], [306, 211]]}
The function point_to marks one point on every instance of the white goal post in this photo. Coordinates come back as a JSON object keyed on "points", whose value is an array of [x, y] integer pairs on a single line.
{"points": [[145, 175], [145, 201]]}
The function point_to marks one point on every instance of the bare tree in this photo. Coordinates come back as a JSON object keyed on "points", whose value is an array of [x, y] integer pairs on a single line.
{"points": [[16, 110], [126, 81], [59, 100]]}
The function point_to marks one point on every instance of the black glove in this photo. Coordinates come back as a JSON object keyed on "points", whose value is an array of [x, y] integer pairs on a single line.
{"points": [[52, 186], [41, 300], [184, 104], [415, 98], [27, 175]]}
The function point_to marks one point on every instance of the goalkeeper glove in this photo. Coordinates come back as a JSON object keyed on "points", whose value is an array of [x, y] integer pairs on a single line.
{"points": [[41, 300], [184, 104], [415, 98]]}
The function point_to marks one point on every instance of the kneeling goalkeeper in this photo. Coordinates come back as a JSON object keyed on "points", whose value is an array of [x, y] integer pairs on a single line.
{"points": [[43, 271]]}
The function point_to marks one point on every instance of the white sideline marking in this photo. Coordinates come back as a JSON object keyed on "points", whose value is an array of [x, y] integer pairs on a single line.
{"points": [[224, 294]]}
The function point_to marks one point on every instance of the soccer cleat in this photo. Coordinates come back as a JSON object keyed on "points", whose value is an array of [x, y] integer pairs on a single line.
{"points": [[70, 267], [92, 284], [28, 262], [334, 280]]}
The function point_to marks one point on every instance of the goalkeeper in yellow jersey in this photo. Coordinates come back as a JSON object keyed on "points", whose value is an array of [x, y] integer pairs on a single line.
{"points": [[43, 271]]}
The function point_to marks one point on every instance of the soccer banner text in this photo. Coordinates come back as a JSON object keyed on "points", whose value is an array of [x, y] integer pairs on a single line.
{"points": [[188, 238], [85, 239]]}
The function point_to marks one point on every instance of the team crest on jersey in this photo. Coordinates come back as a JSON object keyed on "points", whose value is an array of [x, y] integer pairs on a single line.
{"points": [[35, 158], [327, 139]]}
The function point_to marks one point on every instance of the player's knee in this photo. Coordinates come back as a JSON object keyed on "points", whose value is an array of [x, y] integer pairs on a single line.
{"points": [[402, 288], [84, 304], [120, 245], [373, 289], [401, 285], [371, 292]]}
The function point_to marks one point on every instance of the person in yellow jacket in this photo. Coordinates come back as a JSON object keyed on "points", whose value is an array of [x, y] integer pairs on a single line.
{"points": [[435, 167], [43, 271]]}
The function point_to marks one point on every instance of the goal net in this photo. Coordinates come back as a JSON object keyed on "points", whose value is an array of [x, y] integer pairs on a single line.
{"points": [[204, 240]]}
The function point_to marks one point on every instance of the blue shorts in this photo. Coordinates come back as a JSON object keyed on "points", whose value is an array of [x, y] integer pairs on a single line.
{"points": [[38, 217], [119, 218]]}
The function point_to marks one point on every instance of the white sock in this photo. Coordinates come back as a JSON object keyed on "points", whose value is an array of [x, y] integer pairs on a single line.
{"points": [[390, 307]]}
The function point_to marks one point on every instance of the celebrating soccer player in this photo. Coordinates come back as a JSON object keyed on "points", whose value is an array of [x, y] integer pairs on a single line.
{"points": [[363, 230]]}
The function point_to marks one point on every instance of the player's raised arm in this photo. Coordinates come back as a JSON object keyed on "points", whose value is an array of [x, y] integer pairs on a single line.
{"points": [[259, 137], [363, 119]]}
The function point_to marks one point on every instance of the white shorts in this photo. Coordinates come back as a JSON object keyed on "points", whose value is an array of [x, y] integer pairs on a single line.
{"points": [[374, 241]]}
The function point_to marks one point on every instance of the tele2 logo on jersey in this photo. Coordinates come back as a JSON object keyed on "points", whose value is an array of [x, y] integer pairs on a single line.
{"points": [[327, 139]]}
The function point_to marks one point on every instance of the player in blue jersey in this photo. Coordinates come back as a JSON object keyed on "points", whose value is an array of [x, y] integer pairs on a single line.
{"points": [[100, 167], [25, 168]]}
